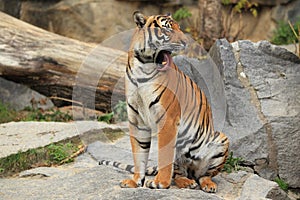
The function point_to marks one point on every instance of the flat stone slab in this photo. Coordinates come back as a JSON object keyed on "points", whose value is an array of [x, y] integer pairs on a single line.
{"points": [[85, 179], [22, 136]]}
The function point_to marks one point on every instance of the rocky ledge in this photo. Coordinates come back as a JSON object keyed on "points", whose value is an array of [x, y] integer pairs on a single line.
{"points": [[85, 179]]}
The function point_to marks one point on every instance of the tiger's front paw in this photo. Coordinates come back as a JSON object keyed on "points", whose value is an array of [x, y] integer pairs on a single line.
{"points": [[155, 184], [208, 185], [128, 183]]}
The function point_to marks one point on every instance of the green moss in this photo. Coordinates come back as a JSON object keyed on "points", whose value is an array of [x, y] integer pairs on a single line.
{"points": [[281, 183], [6, 114], [52, 154]]}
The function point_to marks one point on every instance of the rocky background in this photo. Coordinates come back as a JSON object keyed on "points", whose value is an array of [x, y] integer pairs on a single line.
{"points": [[95, 21], [262, 90]]}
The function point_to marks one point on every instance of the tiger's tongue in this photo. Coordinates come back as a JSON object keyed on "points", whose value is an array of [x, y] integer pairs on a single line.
{"points": [[167, 62]]}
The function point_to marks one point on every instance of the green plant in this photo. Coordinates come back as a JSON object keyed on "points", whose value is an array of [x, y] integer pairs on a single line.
{"points": [[286, 34], [235, 15], [6, 114], [243, 6], [51, 115], [60, 152], [281, 183], [20, 161], [106, 117], [120, 111], [181, 14], [53, 154], [232, 163]]}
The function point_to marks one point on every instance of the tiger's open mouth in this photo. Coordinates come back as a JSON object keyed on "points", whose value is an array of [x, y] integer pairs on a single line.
{"points": [[163, 60]]}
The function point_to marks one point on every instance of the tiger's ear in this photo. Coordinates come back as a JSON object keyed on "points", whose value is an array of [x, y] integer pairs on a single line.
{"points": [[139, 19]]}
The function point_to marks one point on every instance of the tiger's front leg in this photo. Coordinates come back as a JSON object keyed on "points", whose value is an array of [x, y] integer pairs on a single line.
{"points": [[167, 136], [140, 139]]}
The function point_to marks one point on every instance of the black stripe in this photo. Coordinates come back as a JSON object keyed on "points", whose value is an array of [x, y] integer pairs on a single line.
{"points": [[196, 147], [156, 24], [147, 73], [158, 87], [101, 162], [116, 164], [160, 117], [216, 135], [218, 155], [184, 85], [137, 56], [139, 128], [149, 33], [130, 78], [144, 145], [200, 92], [157, 34], [143, 80], [164, 113], [192, 87], [151, 171], [215, 167], [132, 108], [197, 135], [184, 143], [129, 168], [128, 64], [157, 98], [176, 90], [224, 140], [185, 131]]}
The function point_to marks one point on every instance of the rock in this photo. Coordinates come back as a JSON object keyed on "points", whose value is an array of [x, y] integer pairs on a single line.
{"points": [[85, 179], [294, 48], [86, 20], [18, 96], [285, 12], [21, 136], [262, 91]]}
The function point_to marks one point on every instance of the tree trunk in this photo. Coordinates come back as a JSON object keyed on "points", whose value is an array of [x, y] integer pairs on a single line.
{"points": [[65, 69], [211, 26]]}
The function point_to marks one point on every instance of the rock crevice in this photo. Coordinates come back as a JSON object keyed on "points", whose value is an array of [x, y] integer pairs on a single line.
{"points": [[271, 160]]}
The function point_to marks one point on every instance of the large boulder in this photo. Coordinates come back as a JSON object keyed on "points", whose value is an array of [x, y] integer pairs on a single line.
{"points": [[19, 97], [262, 89]]}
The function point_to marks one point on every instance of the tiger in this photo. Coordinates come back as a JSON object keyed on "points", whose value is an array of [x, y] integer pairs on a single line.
{"points": [[162, 100]]}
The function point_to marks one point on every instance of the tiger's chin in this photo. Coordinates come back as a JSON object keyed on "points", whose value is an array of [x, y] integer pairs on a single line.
{"points": [[164, 60]]}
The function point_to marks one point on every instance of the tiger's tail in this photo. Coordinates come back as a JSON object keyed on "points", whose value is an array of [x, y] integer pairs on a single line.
{"points": [[150, 171]]}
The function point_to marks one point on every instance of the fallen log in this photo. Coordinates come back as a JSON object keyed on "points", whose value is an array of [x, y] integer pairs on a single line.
{"points": [[64, 69]]}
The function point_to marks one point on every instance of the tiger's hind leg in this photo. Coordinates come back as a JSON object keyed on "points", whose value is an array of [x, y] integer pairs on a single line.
{"points": [[211, 164], [180, 176]]}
